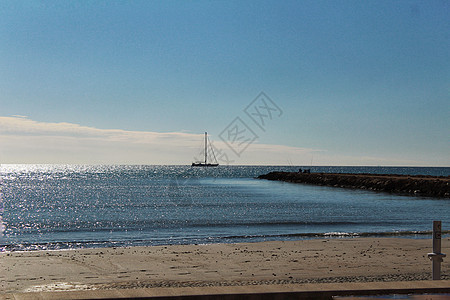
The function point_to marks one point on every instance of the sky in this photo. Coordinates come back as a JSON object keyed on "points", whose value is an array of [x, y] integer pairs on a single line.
{"points": [[273, 82]]}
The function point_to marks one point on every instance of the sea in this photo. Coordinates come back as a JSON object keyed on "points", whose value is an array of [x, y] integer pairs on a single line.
{"points": [[50, 207]]}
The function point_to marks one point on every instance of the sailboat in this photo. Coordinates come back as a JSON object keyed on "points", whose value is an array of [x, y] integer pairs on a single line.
{"points": [[205, 163]]}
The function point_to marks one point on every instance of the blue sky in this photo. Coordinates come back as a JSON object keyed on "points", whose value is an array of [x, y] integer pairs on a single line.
{"points": [[358, 82]]}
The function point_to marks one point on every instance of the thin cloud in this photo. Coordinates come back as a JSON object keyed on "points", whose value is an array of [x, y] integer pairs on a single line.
{"points": [[19, 126], [27, 141], [23, 140]]}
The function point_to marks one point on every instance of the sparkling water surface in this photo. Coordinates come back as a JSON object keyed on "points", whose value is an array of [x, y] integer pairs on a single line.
{"points": [[74, 206]]}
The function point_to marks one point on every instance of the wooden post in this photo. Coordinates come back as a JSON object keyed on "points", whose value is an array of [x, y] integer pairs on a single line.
{"points": [[436, 256]]}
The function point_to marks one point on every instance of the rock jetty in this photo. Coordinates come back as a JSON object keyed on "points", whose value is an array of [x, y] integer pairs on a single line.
{"points": [[421, 185]]}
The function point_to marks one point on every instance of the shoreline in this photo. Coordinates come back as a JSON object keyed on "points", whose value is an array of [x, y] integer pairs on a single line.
{"points": [[67, 246], [418, 185], [262, 263]]}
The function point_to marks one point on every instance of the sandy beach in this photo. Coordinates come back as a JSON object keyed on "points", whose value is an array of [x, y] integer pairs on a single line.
{"points": [[279, 262]]}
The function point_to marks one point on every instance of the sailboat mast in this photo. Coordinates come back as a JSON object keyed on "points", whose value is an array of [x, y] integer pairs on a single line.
{"points": [[199, 163], [206, 150]]}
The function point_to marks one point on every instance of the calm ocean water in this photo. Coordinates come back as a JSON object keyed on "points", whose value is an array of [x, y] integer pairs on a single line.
{"points": [[69, 206]]}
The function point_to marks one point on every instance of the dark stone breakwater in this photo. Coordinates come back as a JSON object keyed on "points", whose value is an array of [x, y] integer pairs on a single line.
{"points": [[431, 186]]}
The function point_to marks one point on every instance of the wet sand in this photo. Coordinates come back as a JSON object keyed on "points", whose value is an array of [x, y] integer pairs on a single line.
{"points": [[266, 263]]}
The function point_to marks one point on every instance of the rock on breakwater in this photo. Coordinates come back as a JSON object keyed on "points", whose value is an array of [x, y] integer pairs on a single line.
{"points": [[432, 186]]}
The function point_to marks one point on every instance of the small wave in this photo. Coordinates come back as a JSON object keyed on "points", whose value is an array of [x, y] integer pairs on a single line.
{"points": [[149, 225], [207, 240], [339, 234]]}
